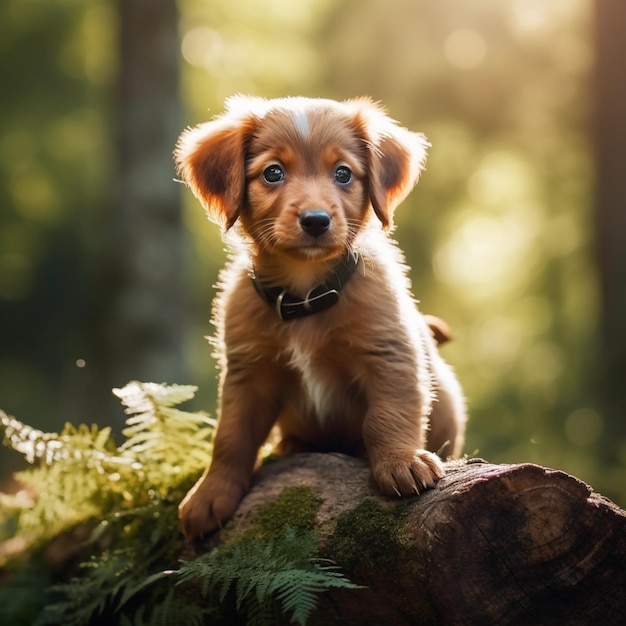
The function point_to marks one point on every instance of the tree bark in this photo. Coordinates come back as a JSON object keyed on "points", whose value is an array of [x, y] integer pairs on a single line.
{"points": [[491, 544], [609, 132], [140, 306]]}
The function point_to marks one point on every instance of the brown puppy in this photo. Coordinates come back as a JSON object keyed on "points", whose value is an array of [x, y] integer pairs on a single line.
{"points": [[317, 331]]}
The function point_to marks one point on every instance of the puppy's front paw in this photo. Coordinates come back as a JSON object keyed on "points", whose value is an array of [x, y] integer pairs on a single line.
{"points": [[406, 473], [207, 505]]}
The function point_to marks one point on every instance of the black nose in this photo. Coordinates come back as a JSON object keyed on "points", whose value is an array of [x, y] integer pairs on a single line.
{"points": [[315, 222]]}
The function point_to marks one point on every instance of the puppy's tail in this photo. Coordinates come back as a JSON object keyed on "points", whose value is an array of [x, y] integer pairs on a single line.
{"points": [[440, 330]]}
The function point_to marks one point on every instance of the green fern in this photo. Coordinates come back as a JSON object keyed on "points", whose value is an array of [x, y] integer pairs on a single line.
{"points": [[164, 439], [49, 447], [170, 610], [80, 474], [126, 495], [263, 575], [74, 478], [89, 596], [119, 505]]}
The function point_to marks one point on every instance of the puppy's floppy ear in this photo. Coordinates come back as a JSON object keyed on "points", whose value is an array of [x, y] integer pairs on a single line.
{"points": [[210, 158], [396, 158]]}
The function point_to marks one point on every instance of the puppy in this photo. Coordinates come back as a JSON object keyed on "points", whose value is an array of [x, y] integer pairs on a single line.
{"points": [[317, 332]]}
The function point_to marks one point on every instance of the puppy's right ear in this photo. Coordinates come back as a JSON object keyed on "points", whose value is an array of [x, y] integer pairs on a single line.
{"points": [[210, 160]]}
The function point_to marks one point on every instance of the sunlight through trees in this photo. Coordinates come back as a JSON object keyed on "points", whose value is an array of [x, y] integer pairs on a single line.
{"points": [[499, 232]]}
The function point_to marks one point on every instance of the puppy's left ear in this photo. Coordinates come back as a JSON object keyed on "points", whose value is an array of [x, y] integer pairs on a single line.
{"points": [[396, 156]]}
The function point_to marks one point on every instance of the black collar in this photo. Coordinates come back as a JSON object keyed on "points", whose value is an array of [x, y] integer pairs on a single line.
{"points": [[323, 296]]}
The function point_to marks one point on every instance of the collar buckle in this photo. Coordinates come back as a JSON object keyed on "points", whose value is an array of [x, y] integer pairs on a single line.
{"points": [[321, 297]]}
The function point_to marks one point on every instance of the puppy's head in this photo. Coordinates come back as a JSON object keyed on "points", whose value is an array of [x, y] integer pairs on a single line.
{"points": [[301, 175]]}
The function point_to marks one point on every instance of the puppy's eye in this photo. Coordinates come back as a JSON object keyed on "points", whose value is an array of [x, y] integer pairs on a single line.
{"points": [[343, 175], [273, 174]]}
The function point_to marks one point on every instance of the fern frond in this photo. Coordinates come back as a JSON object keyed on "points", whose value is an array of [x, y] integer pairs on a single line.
{"points": [[141, 397], [167, 611], [265, 613], [280, 571], [129, 495], [87, 597], [87, 443], [75, 475], [297, 591], [30, 442], [163, 439], [214, 570]]}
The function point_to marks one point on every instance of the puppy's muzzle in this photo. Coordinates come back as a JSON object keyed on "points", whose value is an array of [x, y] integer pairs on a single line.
{"points": [[315, 222]]}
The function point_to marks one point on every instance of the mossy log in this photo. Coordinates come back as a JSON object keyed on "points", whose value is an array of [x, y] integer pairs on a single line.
{"points": [[491, 544]]}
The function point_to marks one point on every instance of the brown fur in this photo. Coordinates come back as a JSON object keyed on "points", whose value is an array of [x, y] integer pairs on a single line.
{"points": [[363, 376]]}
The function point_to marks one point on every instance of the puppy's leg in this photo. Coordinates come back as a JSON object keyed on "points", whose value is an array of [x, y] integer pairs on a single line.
{"points": [[394, 431], [247, 416], [397, 466]]}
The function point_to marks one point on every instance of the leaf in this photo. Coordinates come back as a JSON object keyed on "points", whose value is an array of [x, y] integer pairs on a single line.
{"points": [[157, 433], [126, 498], [281, 571], [122, 500], [129, 592]]}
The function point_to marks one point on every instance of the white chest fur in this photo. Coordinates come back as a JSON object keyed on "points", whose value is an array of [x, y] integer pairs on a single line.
{"points": [[317, 385]]}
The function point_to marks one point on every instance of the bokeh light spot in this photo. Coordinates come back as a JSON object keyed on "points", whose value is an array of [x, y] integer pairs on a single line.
{"points": [[465, 49], [583, 427], [202, 47]]}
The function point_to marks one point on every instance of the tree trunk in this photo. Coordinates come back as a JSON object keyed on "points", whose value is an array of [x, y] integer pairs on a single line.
{"points": [[140, 308], [609, 91], [491, 544]]}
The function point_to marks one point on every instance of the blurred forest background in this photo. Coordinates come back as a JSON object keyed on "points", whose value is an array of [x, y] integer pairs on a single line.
{"points": [[516, 234]]}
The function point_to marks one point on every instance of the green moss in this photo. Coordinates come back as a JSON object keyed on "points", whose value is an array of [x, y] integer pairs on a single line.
{"points": [[369, 536], [295, 507]]}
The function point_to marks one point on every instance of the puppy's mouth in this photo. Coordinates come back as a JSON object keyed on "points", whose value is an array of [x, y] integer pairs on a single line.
{"points": [[316, 252], [313, 249]]}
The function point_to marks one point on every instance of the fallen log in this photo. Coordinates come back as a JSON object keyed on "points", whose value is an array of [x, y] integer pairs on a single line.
{"points": [[491, 544]]}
